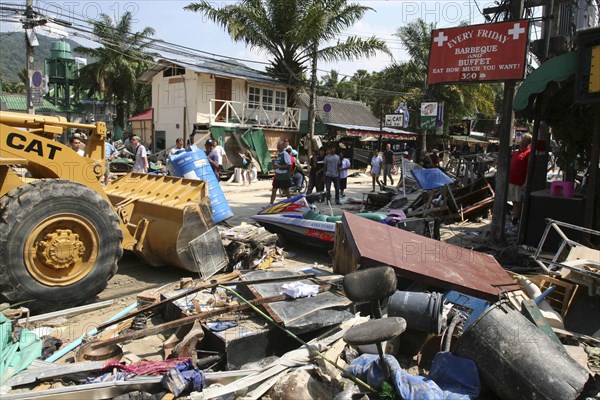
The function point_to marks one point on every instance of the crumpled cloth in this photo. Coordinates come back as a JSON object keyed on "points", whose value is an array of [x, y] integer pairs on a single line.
{"points": [[116, 371], [298, 289], [368, 368], [184, 377]]}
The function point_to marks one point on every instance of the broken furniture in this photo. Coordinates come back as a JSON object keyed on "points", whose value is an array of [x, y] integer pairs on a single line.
{"points": [[572, 261], [454, 203], [374, 286], [364, 244]]}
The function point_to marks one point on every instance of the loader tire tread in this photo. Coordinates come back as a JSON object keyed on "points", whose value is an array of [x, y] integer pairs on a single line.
{"points": [[49, 196]]}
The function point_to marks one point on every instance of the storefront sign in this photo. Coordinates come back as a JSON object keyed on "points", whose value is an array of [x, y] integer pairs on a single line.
{"points": [[429, 115], [477, 53]]}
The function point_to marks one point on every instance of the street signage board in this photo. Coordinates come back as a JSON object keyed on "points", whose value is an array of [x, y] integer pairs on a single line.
{"points": [[394, 120], [429, 115], [479, 53], [36, 83]]}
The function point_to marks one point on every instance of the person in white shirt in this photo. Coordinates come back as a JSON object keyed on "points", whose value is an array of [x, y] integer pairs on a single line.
{"points": [[141, 157], [376, 164], [76, 146], [178, 146], [344, 173], [220, 153]]}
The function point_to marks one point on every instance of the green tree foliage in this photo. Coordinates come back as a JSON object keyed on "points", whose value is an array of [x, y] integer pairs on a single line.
{"points": [[289, 30], [119, 61]]}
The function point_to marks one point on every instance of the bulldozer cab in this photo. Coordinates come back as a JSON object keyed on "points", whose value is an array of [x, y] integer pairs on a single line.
{"points": [[63, 232]]}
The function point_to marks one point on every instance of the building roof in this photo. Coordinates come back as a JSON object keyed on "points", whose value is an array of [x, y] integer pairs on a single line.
{"points": [[346, 112], [146, 115], [374, 130], [229, 69], [18, 102]]}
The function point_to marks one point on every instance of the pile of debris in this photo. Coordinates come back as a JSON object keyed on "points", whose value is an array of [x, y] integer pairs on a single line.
{"points": [[251, 247], [410, 318], [454, 203]]}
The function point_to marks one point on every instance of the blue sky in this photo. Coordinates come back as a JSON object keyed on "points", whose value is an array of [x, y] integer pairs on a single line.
{"points": [[173, 24]]}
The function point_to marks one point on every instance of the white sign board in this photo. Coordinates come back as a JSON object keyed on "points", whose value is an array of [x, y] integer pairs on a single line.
{"points": [[394, 120]]}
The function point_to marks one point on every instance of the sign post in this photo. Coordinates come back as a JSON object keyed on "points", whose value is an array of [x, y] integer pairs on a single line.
{"points": [[37, 88]]}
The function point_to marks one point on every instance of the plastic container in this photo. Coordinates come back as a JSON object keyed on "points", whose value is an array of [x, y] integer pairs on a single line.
{"points": [[564, 189], [422, 311], [193, 164], [517, 360]]}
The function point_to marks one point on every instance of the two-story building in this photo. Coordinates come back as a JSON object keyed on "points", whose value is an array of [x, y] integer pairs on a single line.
{"points": [[224, 98]]}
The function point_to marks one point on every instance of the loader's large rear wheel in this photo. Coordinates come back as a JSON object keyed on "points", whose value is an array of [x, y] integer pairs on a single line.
{"points": [[60, 242]]}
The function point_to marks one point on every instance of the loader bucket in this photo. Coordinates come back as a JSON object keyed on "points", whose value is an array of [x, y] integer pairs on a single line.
{"points": [[160, 216]]}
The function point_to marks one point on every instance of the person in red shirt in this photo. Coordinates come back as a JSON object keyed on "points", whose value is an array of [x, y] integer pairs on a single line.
{"points": [[517, 176]]}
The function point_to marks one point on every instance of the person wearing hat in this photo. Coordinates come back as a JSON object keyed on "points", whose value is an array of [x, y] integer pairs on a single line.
{"points": [[141, 156], [79, 135]]}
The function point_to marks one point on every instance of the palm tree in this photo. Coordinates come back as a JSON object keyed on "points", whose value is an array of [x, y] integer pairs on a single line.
{"points": [[294, 32], [120, 60]]}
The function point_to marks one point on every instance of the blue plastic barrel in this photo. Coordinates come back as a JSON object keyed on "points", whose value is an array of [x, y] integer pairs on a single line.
{"points": [[193, 164]]}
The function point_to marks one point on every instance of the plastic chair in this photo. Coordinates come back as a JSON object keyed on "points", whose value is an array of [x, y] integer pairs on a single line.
{"points": [[373, 285]]}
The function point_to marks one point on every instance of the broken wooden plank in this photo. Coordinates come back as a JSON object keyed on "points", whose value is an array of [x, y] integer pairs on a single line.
{"points": [[54, 371], [67, 312]]}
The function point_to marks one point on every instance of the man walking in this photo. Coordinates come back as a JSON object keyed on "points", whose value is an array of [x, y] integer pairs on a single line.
{"points": [[388, 157], [141, 156], [332, 173]]}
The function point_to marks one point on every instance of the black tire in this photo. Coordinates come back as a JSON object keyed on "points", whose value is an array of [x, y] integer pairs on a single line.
{"points": [[30, 217]]}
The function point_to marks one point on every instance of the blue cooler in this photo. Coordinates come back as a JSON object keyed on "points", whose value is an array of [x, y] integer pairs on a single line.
{"points": [[193, 164]]}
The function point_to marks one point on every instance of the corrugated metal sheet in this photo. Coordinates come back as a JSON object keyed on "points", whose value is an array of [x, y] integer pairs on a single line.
{"points": [[373, 130], [18, 102], [425, 260], [146, 115], [347, 112], [229, 69]]}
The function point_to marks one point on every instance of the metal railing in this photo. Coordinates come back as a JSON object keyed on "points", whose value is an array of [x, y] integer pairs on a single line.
{"points": [[236, 113]]}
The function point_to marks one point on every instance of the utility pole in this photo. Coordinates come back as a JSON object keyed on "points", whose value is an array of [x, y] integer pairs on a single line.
{"points": [[506, 128], [539, 104], [312, 115], [28, 25]]}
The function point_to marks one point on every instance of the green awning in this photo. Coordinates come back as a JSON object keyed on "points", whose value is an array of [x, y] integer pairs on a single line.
{"points": [[556, 69], [218, 132]]}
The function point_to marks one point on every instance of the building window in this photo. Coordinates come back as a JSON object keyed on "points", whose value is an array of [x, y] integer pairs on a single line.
{"points": [[173, 71], [267, 99], [280, 102], [253, 97]]}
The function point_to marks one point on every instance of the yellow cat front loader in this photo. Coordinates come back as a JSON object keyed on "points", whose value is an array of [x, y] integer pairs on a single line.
{"points": [[62, 233]]}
